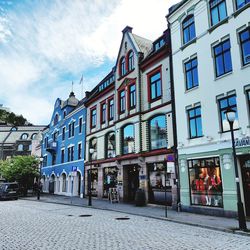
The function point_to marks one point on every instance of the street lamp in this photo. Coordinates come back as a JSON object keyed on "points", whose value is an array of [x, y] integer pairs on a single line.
{"points": [[231, 116], [91, 151]]}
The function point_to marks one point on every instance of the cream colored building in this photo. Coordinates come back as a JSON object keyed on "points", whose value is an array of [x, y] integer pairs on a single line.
{"points": [[141, 126]]}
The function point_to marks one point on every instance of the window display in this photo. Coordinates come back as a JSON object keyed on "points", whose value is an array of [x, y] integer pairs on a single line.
{"points": [[94, 181], [205, 182]]}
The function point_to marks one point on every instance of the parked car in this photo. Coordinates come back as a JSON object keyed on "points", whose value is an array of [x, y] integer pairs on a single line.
{"points": [[9, 190]]}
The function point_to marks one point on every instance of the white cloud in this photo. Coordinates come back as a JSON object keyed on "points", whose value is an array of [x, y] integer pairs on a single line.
{"points": [[43, 40]]}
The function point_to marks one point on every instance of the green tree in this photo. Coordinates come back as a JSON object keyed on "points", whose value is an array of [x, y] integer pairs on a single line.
{"points": [[22, 169]]}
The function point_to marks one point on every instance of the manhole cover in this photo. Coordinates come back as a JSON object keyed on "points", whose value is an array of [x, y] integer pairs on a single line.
{"points": [[69, 215], [85, 215], [122, 218]]}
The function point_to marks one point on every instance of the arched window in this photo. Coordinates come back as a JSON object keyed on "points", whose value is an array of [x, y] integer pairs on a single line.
{"points": [[158, 132], [63, 182], [56, 118], [188, 29], [110, 145], [34, 136], [20, 147], [24, 136], [122, 66], [64, 113], [128, 139], [93, 145], [130, 60]]}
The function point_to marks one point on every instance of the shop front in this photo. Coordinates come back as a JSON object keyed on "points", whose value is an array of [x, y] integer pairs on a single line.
{"points": [[131, 181], [245, 173], [159, 182], [109, 179]]}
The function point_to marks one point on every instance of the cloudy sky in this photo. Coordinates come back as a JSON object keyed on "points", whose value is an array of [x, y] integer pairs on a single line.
{"points": [[47, 44]]}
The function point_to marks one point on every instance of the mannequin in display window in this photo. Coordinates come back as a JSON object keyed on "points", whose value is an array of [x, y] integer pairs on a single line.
{"points": [[214, 188]]}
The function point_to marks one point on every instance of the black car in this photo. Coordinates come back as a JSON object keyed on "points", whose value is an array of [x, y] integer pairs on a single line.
{"points": [[9, 190]]}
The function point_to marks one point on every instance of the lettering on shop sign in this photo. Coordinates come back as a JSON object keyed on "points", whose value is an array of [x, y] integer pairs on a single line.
{"points": [[242, 142]]}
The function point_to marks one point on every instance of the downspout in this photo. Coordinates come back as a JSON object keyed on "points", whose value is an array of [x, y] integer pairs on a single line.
{"points": [[175, 150], [140, 57]]}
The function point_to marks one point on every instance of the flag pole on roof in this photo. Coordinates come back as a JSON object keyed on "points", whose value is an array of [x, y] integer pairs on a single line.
{"points": [[81, 83]]}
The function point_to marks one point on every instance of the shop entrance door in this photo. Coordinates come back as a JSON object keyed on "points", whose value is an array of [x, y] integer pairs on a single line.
{"points": [[245, 171], [133, 181]]}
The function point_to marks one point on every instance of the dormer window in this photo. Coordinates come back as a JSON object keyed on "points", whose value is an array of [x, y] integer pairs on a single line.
{"points": [[122, 66], [24, 136], [159, 44], [130, 60]]}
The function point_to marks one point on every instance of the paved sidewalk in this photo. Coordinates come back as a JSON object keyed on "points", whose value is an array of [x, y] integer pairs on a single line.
{"points": [[152, 211]]}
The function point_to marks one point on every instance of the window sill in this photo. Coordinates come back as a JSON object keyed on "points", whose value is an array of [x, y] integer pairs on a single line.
{"points": [[121, 77], [237, 12], [218, 24], [195, 137], [223, 132], [188, 43], [132, 108], [245, 66], [191, 89], [154, 100], [224, 75]]}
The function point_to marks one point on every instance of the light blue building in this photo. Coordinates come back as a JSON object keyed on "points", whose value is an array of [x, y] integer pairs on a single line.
{"points": [[63, 148]]}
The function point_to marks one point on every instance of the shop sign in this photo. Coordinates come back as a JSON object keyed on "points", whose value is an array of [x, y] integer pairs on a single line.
{"points": [[74, 168], [242, 142], [170, 158]]}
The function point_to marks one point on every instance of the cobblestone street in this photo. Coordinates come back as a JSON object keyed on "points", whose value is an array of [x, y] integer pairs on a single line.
{"points": [[33, 225]]}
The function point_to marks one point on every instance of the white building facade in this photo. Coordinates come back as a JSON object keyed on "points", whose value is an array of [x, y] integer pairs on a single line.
{"points": [[211, 71]]}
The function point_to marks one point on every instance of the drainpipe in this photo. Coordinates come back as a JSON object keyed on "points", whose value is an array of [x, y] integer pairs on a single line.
{"points": [[176, 163]]}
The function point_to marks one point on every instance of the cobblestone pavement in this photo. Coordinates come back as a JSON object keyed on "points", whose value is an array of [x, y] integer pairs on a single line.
{"points": [[33, 225]]}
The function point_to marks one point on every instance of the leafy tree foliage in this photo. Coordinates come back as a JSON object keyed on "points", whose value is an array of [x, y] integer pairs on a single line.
{"points": [[12, 118], [22, 169]]}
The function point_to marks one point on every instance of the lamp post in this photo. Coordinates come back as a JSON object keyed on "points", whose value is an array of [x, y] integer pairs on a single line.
{"points": [[91, 151], [13, 128], [231, 115], [165, 187]]}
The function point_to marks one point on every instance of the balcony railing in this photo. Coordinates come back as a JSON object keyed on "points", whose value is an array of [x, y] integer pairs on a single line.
{"points": [[52, 146]]}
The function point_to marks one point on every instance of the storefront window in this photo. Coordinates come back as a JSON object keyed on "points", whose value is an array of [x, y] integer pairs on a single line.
{"points": [[110, 146], [156, 173], [158, 132], [205, 182], [109, 179], [94, 181]]}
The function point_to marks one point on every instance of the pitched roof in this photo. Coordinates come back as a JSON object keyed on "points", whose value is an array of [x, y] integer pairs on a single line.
{"points": [[145, 45]]}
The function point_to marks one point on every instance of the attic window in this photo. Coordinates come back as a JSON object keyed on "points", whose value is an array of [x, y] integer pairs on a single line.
{"points": [[126, 45], [159, 44], [56, 119]]}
